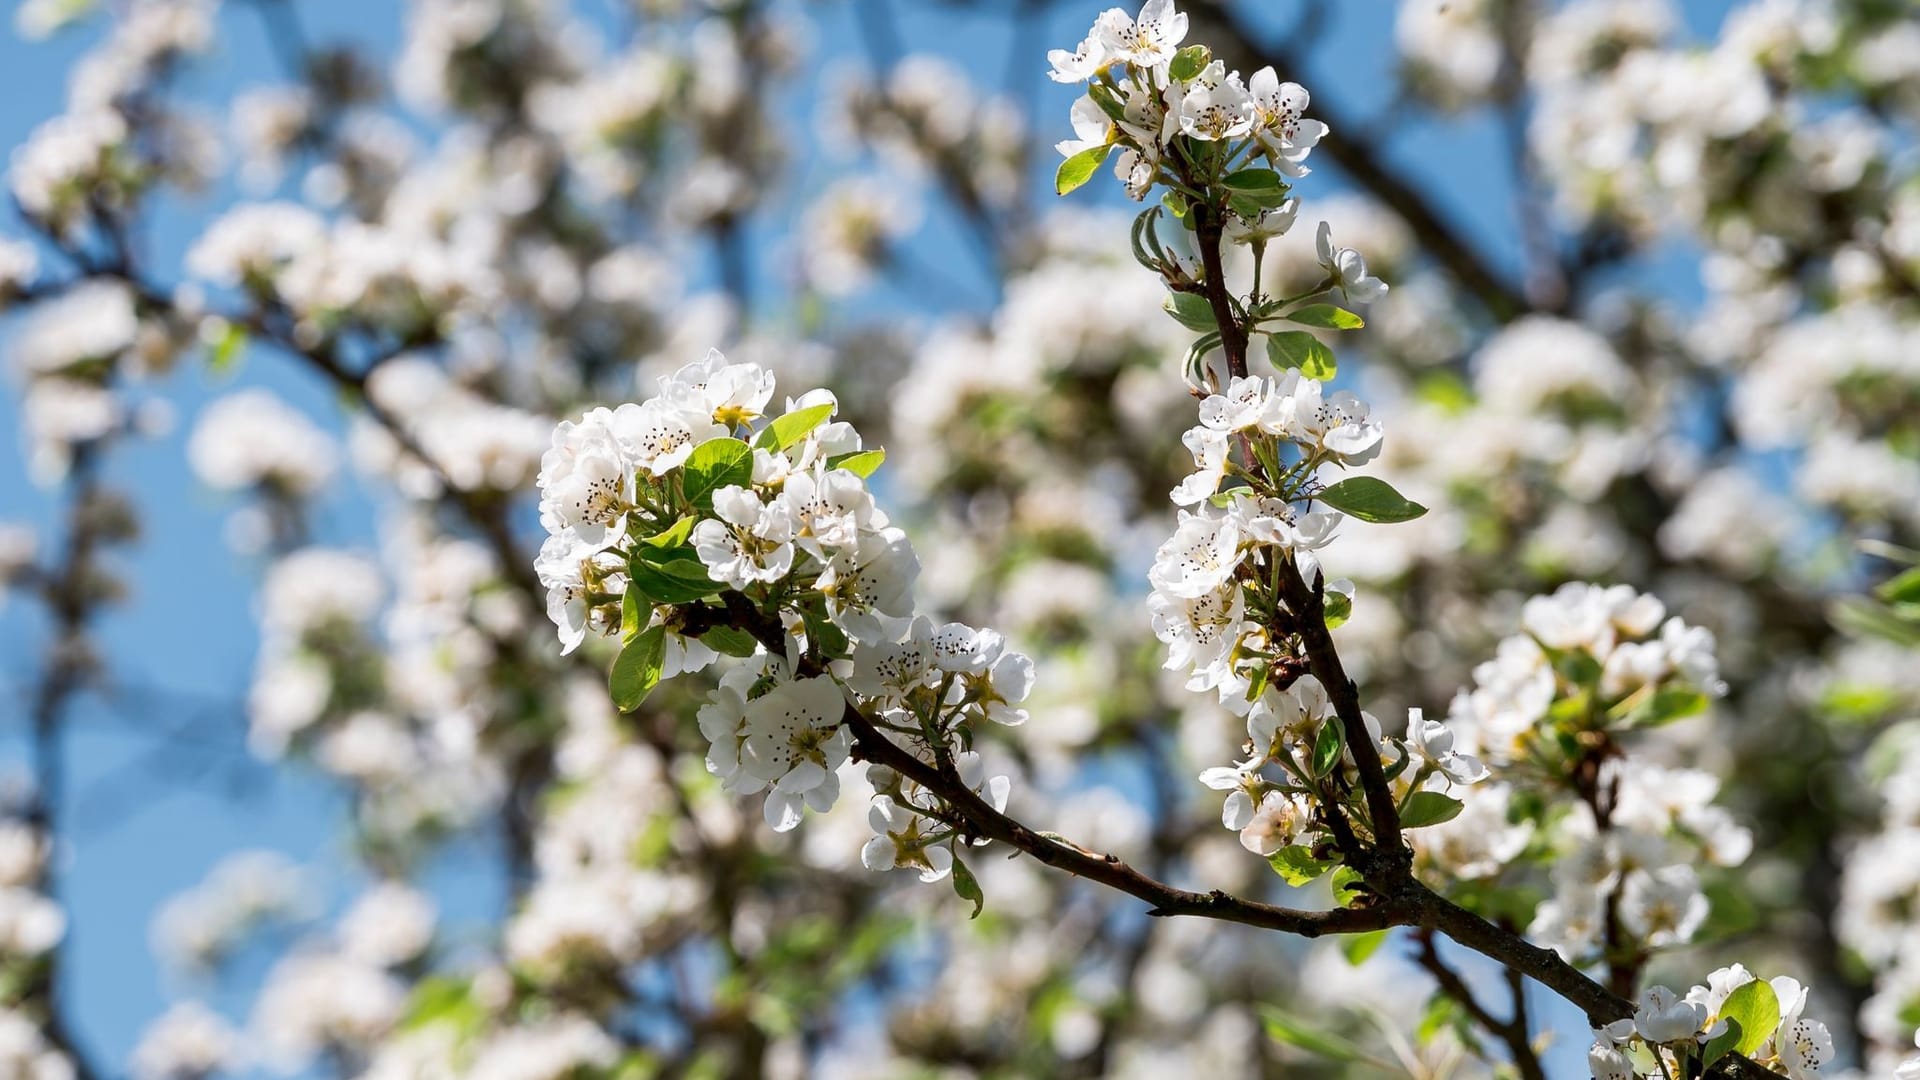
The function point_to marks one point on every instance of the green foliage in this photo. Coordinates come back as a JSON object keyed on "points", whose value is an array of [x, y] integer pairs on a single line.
{"points": [[719, 463], [1372, 499], [1190, 310], [1286, 1028], [1080, 168], [965, 884], [1326, 317], [1297, 865], [791, 428], [636, 671], [1756, 1008], [1327, 747], [672, 575], [1300, 349], [861, 463], [1424, 808], [729, 641], [1189, 62]]}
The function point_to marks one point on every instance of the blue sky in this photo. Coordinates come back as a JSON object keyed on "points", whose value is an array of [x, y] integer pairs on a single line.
{"points": [[150, 811]]}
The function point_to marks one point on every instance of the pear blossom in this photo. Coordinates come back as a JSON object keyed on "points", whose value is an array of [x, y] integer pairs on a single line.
{"points": [[1665, 1017], [1091, 128], [901, 840], [587, 480], [659, 435], [1280, 124], [794, 741], [1273, 822], [1082, 63], [1147, 41], [1200, 633], [1209, 447], [1341, 425], [1431, 743], [1348, 269], [748, 541], [1201, 555], [1272, 223], [1212, 113]]}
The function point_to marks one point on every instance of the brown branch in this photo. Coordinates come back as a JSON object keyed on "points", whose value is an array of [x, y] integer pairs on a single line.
{"points": [[1512, 1031], [1307, 603], [1240, 46]]}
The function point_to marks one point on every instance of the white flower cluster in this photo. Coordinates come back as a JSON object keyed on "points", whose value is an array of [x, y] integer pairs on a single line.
{"points": [[253, 439], [1153, 105], [655, 509], [1594, 662], [1668, 1031]]}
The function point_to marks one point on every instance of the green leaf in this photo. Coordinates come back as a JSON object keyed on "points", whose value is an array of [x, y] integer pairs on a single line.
{"points": [[636, 671], [793, 427], [729, 641], [1282, 1027], [1425, 808], [673, 535], [715, 464], [1757, 1010], [1256, 182], [1370, 499], [227, 349], [1326, 316], [1902, 589], [1327, 746], [1175, 203], [1079, 168], [1667, 704], [669, 575], [1190, 310], [1721, 1045], [1348, 885], [861, 463], [1337, 609], [1299, 349], [1189, 62], [634, 613], [1297, 865], [1358, 947], [438, 999], [1245, 207], [968, 887]]}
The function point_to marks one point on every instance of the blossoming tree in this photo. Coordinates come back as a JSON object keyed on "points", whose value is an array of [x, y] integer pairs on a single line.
{"points": [[1245, 726]]}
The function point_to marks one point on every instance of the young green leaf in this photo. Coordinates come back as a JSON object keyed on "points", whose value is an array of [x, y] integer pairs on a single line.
{"points": [[669, 575], [860, 462], [1722, 1044], [715, 464], [1190, 310], [729, 641], [1358, 947], [1425, 808], [1299, 349], [1079, 168], [1255, 182], [968, 887], [1189, 62], [1756, 1008], [634, 613], [636, 671], [1370, 499], [1327, 317], [1283, 1027], [227, 349], [1327, 746], [1337, 609], [791, 428], [1296, 865], [673, 535]]}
